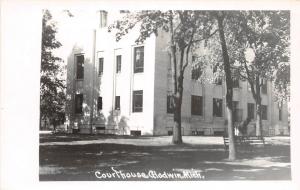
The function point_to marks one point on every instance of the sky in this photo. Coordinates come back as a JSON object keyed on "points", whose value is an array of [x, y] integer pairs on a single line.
{"points": [[76, 29], [72, 29]]}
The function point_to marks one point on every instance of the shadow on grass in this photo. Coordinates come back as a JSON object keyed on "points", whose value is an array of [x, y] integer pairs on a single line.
{"points": [[82, 137], [79, 162]]}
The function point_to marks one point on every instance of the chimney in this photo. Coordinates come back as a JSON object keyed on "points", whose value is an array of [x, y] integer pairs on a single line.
{"points": [[102, 18]]}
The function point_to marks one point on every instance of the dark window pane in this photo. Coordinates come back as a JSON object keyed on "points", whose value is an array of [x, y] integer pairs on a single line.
{"points": [[101, 62], [235, 83], [280, 114], [80, 66], [137, 101], [139, 59], [193, 58], [217, 107], [119, 63], [117, 103], [250, 110], [196, 105], [264, 87], [99, 103], [236, 112], [78, 103], [235, 78], [280, 111], [196, 72], [215, 68], [235, 105], [264, 112], [217, 79]]}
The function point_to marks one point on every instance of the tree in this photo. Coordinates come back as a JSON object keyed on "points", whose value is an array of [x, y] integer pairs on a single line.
{"points": [[52, 93], [218, 55], [266, 35], [220, 16], [185, 29]]}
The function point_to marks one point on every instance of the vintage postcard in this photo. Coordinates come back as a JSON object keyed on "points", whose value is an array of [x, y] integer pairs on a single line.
{"points": [[114, 92]]}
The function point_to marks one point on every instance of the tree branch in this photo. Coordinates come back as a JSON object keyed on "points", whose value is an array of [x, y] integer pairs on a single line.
{"points": [[188, 50], [243, 76], [250, 81], [199, 40]]}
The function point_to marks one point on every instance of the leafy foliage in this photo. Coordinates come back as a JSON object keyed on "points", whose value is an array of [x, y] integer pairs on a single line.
{"points": [[52, 93], [267, 34]]}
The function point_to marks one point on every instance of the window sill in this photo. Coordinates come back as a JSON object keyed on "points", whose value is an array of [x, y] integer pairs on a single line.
{"points": [[138, 73], [79, 79], [137, 113], [192, 115], [197, 118], [218, 117]]}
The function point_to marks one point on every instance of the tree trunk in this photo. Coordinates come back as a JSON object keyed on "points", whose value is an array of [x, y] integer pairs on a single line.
{"points": [[258, 120], [177, 94], [54, 125], [258, 108], [40, 121], [229, 90], [177, 137]]}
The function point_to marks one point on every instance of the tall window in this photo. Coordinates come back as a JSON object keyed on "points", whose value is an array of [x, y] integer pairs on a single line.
{"points": [[217, 107], [170, 103], [119, 63], [78, 103], [235, 78], [101, 62], [264, 112], [194, 58], [280, 111], [196, 72], [139, 59], [137, 101], [235, 105], [280, 114], [79, 66], [235, 83], [196, 105], [236, 111], [264, 87], [99, 103], [217, 79], [117, 103], [250, 110]]}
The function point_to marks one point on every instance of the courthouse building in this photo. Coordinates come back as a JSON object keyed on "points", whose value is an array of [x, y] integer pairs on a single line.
{"points": [[124, 88]]}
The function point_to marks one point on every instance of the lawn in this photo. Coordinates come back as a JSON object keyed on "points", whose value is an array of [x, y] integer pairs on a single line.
{"points": [[78, 157]]}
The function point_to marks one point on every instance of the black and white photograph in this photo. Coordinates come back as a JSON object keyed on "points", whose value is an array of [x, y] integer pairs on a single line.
{"points": [[140, 94], [166, 95]]}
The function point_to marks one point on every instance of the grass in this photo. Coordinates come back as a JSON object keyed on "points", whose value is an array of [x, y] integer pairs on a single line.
{"points": [[77, 157]]}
